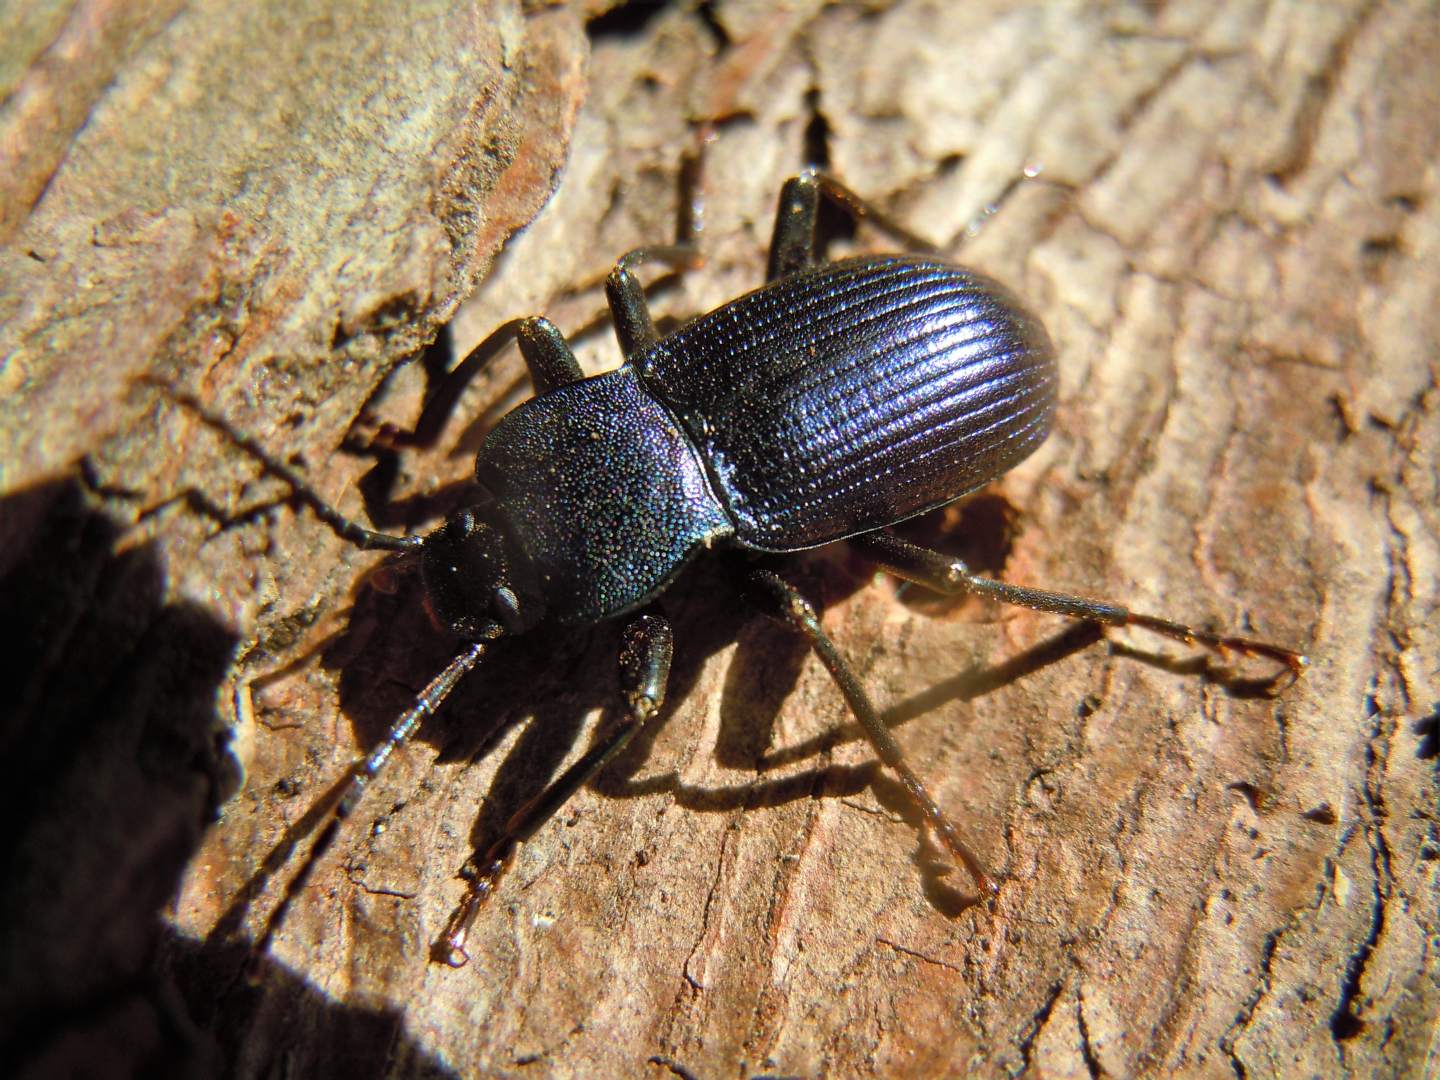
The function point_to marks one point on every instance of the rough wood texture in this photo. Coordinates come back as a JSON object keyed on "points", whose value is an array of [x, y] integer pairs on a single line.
{"points": [[1235, 242]]}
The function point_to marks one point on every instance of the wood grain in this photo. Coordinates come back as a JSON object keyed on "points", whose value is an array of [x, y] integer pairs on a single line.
{"points": [[1234, 239]]}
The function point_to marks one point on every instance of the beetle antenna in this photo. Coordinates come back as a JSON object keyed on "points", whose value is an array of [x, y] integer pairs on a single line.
{"points": [[365, 770], [344, 527]]}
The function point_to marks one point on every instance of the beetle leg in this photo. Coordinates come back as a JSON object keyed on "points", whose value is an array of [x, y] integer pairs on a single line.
{"points": [[646, 646], [343, 527], [629, 310], [783, 602], [547, 357], [946, 574], [544, 349], [634, 327], [792, 244], [547, 354]]}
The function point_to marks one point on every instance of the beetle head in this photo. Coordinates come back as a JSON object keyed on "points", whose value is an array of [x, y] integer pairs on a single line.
{"points": [[476, 579]]}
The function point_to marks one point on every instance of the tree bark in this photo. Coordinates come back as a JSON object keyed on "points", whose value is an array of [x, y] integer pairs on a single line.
{"points": [[1234, 240]]}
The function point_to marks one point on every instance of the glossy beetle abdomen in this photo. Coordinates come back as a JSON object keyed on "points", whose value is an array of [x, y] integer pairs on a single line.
{"points": [[856, 394]]}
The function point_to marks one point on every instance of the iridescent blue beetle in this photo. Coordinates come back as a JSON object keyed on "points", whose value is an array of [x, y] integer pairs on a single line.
{"points": [[835, 401]]}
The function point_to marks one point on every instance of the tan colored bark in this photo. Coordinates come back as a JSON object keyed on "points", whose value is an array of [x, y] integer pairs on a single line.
{"points": [[1235, 243]]}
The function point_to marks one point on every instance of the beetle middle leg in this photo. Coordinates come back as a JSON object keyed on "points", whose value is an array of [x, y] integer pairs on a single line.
{"points": [[634, 325], [646, 647], [946, 574], [783, 602], [629, 310], [547, 355]]}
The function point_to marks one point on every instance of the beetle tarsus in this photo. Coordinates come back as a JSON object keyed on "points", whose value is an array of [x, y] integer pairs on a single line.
{"points": [[1292, 663], [481, 877]]}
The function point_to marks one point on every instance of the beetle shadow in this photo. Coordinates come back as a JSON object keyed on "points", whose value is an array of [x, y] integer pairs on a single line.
{"points": [[549, 686], [766, 649], [281, 1023], [114, 759], [551, 683]]}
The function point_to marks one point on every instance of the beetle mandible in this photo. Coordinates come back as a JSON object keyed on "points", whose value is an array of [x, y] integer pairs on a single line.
{"points": [[836, 400]]}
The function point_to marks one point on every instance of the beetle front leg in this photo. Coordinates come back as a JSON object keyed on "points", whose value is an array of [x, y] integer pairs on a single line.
{"points": [[946, 574], [783, 602], [546, 353], [344, 527], [547, 357], [646, 646]]}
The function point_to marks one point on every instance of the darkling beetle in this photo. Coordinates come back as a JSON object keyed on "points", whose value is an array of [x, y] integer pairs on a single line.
{"points": [[835, 401]]}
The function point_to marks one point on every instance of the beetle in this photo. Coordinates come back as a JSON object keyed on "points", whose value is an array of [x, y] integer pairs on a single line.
{"points": [[836, 400]]}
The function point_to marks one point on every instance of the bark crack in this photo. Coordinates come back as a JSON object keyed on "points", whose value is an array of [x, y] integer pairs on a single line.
{"points": [[917, 955], [1346, 1022], [1038, 1020], [1087, 1048], [711, 893], [787, 872], [1242, 1018]]}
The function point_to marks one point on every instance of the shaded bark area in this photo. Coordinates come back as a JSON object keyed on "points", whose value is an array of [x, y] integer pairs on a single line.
{"points": [[1234, 240], [266, 207]]}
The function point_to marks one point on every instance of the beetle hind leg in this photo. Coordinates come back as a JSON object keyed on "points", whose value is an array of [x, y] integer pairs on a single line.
{"points": [[945, 574], [783, 602]]}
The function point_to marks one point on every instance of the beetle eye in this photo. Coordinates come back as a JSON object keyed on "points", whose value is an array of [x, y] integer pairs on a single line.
{"points": [[506, 606]]}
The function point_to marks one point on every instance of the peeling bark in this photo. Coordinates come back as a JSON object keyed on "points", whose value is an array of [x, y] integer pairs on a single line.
{"points": [[1234, 240]]}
